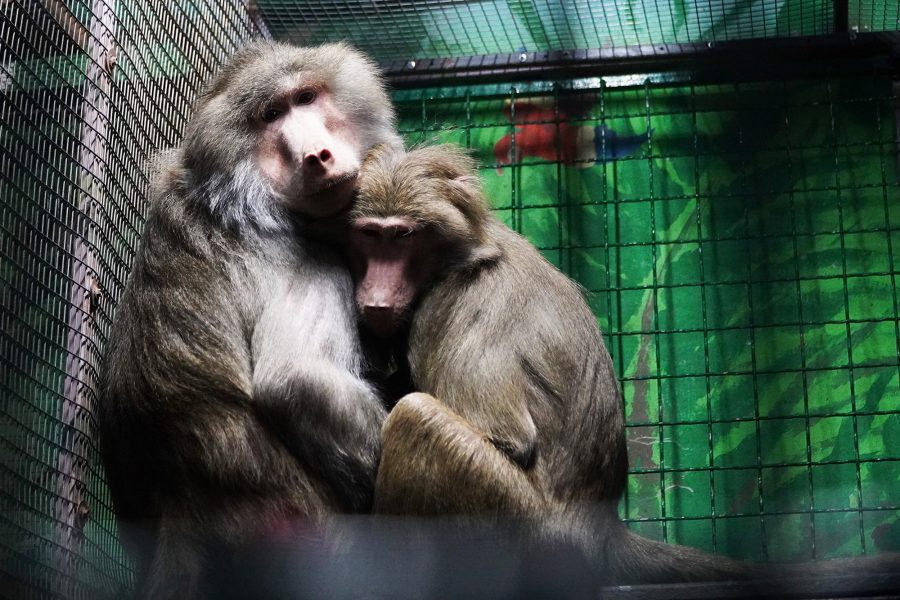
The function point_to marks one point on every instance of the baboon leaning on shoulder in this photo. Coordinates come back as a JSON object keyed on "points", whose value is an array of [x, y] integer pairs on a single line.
{"points": [[521, 413], [233, 402]]}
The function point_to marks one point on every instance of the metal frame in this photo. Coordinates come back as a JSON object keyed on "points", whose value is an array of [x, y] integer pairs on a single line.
{"points": [[750, 58]]}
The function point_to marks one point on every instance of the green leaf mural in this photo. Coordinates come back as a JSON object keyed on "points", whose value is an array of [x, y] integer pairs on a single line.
{"points": [[737, 244]]}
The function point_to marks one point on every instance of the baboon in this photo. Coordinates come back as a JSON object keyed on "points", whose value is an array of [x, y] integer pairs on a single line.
{"points": [[520, 412], [233, 401]]}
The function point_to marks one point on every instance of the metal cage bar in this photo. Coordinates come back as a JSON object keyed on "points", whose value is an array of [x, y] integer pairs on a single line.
{"points": [[788, 488], [91, 90]]}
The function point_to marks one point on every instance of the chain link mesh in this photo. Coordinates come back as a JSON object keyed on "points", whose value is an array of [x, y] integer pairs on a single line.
{"points": [[91, 89]]}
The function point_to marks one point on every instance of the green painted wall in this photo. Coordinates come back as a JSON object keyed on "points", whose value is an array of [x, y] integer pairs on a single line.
{"points": [[741, 259]]}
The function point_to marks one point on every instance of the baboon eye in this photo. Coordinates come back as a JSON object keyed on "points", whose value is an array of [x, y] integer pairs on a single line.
{"points": [[270, 115], [305, 97], [404, 232]]}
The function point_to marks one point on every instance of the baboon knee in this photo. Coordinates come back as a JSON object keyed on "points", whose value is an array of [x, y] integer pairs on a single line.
{"points": [[414, 407]]}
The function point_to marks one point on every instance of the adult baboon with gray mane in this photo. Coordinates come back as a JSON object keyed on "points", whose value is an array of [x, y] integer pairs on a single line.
{"points": [[233, 401]]}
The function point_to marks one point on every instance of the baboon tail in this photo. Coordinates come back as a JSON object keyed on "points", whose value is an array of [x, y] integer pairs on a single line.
{"points": [[632, 559]]}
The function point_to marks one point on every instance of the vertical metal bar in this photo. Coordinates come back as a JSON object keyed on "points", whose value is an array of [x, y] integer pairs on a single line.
{"points": [[560, 187], [468, 109], [609, 182], [804, 381], [846, 295], [71, 507], [895, 98], [613, 295], [705, 321], [515, 167], [654, 299], [841, 16], [423, 116], [888, 230], [755, 372]]}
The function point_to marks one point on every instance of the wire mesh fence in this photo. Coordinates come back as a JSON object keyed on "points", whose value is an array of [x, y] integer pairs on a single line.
{"points": [[873, 15], [739, 244], [90, 90], [454, 28]]}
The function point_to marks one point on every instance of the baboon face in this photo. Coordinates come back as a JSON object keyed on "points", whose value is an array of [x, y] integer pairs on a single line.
{"points": [[392, 262], [418, 215], [296, 120], [308, 148]]}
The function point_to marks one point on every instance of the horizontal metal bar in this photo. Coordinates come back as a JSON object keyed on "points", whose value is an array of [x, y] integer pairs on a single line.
{"points": [[847, 581], [743, 57]]}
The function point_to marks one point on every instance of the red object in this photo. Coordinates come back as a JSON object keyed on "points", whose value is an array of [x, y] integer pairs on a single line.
{"points": [[551, 138]]}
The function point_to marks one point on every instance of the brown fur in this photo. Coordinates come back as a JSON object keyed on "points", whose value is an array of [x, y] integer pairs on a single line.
{"points": [[233, 399], [522, 414], [419, 429]]}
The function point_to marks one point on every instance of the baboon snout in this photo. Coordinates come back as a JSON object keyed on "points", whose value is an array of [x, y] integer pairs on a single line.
{"points": [[384, 251], [317, 162], [374, 297], [381, 302], [377, 302]]}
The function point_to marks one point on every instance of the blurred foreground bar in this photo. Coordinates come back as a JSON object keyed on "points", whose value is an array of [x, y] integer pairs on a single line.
{"points": [[443, 559]]}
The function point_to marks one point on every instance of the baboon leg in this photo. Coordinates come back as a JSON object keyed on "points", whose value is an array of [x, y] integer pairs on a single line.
{"points": [[433, 462]]}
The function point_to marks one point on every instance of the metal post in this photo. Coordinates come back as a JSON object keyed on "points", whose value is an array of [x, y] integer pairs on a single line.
{"points": [[71, 507], [841, 16]]}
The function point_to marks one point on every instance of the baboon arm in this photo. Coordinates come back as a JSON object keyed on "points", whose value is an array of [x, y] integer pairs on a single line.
{"points": [[434, 462], [305, 387], [505, 420], [330, 421]]}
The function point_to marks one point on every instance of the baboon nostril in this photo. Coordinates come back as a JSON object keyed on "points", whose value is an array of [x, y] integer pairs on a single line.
{"points": [[317, 160], [377, 309]]}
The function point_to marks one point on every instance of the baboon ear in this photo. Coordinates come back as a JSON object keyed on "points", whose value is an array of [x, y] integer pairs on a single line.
{"points": [[470, 200], [467, 197], [468, 182], [485, 251]]}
